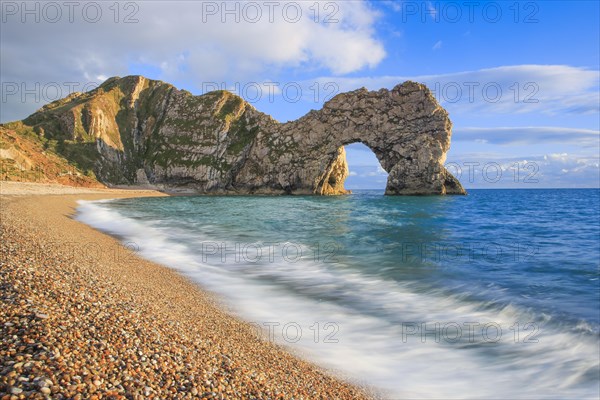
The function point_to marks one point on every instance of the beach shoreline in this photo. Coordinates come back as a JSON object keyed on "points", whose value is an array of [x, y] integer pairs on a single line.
{"points": [[85, 317]]}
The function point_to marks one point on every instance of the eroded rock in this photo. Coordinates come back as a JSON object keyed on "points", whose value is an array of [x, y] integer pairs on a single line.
{"points": [[134, 130]]}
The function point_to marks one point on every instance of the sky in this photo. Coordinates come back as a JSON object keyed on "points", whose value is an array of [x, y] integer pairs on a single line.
{"points": [[520, 80]]}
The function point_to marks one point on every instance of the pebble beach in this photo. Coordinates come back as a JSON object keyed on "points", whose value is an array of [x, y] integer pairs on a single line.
{"points": [[83, 317]]}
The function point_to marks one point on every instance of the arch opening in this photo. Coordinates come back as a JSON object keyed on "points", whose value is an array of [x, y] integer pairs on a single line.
{"points": [[365, 171]]}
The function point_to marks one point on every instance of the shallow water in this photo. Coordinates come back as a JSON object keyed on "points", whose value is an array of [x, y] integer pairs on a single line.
{"points": [[492, 294]]}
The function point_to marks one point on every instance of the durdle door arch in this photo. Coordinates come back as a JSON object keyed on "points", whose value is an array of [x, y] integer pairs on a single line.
{"points": [[407, 130], [134, 130]]}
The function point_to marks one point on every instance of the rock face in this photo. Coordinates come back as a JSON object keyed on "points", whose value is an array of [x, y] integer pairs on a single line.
{"points": [[333, 181], [134, 130]]}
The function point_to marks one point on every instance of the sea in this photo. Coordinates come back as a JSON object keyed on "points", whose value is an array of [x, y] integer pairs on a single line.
{"points": [[491, 295]]}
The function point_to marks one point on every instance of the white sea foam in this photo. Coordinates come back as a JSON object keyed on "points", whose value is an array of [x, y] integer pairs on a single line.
{"points": [[377, 323]]}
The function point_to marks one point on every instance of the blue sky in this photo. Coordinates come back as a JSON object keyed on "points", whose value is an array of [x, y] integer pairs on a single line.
{"points": [[519, 79]]}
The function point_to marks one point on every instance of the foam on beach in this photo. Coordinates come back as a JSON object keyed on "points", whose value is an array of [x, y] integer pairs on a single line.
{"points": [[371, 329]]}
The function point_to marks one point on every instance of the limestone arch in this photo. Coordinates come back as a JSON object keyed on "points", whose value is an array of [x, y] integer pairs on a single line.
{"points": [[405, 127], [407, 130]]}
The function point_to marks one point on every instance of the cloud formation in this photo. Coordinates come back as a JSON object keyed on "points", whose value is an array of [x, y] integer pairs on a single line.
{"points": [[554, 170], [514, 89], [181, 41], [528, 135], [497, 171]]}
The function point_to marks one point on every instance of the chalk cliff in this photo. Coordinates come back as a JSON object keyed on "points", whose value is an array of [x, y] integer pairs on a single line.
{"points": [[135, 130]]}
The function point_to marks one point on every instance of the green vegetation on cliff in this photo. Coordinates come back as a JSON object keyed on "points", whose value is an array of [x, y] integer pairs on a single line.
{"points": [[135, 130]]}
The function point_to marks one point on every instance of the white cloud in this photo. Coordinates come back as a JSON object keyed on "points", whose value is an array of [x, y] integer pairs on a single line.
{"points": [[367, 171], [365, 177], [432, 11], [560, 170], [394, 5], [528, 135], [495, 170], [182, 42], [515, 89]]}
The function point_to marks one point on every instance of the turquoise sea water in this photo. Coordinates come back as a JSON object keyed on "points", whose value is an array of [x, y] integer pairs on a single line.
{"points": [[492, 294]]}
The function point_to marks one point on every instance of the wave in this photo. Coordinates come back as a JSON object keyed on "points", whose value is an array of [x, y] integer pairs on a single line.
{"points": [[404, 338]]}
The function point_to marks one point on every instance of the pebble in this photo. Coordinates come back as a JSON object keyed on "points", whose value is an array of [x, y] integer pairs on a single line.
{"points": [[124, 327], [15, 390]]}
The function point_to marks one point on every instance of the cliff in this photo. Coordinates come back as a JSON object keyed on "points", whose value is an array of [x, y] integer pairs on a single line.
{"points": [[134, 130]]}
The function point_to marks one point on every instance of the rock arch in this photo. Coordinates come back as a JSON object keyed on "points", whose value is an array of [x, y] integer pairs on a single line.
{"points": [[146, 131], [405, 127]]}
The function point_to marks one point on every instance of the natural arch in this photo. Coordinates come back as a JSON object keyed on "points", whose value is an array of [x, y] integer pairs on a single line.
{"points": [[146, 131], [405, 127]]}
